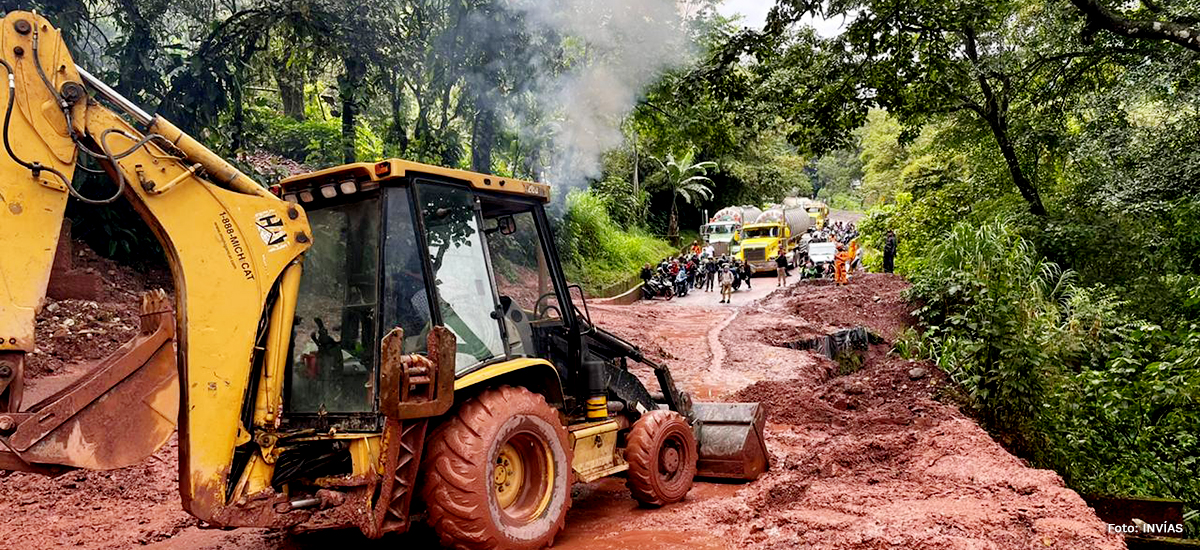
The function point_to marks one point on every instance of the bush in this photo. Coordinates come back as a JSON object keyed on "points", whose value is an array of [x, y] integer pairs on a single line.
{"points": [[313, 141], [595, 251], [990, 308], [1061, 373]]}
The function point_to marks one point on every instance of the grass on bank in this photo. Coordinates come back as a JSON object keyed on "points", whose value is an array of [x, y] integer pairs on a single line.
{"points": [[597, 252]]}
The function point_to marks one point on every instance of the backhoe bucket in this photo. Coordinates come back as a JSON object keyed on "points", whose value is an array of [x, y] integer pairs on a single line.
{"points": [[729, 437]]}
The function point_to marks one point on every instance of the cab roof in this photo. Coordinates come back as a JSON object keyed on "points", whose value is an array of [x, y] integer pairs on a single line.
{"points": [[367, 173]]}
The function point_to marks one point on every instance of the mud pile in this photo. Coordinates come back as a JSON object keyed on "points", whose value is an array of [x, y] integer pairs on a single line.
{"points": [[871, 299], [871, 459], [74, 331]]}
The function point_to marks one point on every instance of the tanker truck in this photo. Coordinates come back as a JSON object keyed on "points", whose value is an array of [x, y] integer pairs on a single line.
{"points": [[817, 210], [779, 227], [722, 231]]}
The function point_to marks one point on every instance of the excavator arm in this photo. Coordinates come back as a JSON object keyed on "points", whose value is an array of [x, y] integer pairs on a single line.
{"points": [[234, 250]]}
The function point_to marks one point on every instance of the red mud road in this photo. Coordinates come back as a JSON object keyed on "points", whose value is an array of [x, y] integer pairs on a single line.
{"points": [[867, 460]]}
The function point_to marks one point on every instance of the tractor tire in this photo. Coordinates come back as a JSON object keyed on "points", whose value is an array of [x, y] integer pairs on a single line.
{"points": [[661, 452], [497, 474]]}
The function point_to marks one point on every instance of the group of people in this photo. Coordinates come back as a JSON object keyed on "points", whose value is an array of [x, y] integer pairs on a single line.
{"points": [[701, 269], [835, 232]]}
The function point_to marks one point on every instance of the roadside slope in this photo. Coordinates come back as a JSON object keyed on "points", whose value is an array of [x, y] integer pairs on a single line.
{"points": [[870, 459]]}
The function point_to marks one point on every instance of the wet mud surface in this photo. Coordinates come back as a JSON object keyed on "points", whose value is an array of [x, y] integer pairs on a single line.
{"points": [[870, 459]]}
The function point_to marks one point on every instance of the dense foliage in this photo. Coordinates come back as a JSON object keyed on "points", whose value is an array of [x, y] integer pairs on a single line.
{"points": [[544, 91], [1048, 225]]}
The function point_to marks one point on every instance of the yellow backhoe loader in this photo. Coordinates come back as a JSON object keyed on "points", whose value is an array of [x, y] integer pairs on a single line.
{"points": [[348, 348]]}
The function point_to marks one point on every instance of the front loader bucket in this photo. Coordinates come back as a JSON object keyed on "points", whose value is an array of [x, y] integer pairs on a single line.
{"points": [[729, 437]]}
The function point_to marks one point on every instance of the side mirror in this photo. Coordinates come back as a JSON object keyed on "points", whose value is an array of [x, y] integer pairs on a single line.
{"points": [[507, 225]]}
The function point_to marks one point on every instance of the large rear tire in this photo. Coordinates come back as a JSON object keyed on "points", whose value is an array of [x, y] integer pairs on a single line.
{"points": [[497, 474], [661, 452]]}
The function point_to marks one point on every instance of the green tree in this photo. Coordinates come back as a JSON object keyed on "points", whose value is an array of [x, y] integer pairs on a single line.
{"points": [[683, 179], [995, 65]]}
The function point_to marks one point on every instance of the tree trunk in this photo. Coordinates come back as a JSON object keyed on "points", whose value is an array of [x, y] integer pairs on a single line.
{"points": [[398, 132], [483, 139], [1028, 191], [673, 224], [350, 84], [1170, 31], [291, 89], [237, 141], [995, 112], [531, 163]]}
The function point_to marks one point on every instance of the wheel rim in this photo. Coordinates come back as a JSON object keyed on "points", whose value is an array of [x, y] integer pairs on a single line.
{"points": [[671, 456], [523, 478]]}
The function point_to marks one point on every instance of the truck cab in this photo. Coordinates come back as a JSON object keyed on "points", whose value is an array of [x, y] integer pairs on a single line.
{"points": [[723, 235], [761, 243]]}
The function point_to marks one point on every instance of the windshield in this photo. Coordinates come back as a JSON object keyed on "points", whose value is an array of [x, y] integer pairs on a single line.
{"points": [[722, 231], [466, 297], [759, 232]]}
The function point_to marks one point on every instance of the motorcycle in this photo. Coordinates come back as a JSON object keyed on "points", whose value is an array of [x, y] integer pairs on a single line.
{"points": [[656, 287], [681, 284]]}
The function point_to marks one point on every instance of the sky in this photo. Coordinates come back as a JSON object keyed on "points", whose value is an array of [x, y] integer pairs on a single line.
{"points": [[754, 14]]}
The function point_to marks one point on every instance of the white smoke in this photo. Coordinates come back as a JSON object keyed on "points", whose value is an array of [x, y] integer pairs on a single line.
{"points": [[621, 47]]}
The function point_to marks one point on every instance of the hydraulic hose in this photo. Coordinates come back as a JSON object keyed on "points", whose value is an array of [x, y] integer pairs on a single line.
{"points": [[35, 167]]}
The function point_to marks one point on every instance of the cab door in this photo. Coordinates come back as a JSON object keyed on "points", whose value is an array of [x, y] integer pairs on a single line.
{"points": [[466, 298]]}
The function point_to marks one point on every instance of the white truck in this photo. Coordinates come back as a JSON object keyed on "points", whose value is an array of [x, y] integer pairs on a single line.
{"points": [[723, 230]]}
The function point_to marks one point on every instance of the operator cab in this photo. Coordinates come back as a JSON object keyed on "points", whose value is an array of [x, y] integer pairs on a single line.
{"points": [[399, 244]]}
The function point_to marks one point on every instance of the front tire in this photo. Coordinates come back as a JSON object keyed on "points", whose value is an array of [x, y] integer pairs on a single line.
{"points": [[661, 452], [497, 474]]}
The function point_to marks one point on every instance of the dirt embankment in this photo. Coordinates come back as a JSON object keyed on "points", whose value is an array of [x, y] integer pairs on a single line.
{"points": [[71, 331], [871, 459]]}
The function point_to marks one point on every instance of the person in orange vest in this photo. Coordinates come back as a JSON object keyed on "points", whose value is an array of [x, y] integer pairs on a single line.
{"points": [[842, 261], [696, 248]]}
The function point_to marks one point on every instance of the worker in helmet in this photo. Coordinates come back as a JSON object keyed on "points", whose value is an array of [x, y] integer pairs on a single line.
{"points": [[842, 260]]}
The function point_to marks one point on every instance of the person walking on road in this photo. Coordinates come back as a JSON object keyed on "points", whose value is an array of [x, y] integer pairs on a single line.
{"points": [[725, 278], [747, 272], [710, 274], [781, 265], [889, 252]]}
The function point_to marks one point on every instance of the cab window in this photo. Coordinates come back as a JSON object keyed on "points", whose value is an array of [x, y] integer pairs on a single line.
{"points": [[334, 332], [466, 298], [527, 292]]}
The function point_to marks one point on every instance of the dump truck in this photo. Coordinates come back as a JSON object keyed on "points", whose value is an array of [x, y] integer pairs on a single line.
{"points": [[723, 230], [779, 228], [339, 350]]}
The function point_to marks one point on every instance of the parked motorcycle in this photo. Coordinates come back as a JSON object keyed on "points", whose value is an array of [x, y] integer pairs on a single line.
{"points": [[657, 287]]}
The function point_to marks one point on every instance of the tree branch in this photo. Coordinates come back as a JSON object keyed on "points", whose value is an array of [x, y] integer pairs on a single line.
{"points": [[1117, 23]]}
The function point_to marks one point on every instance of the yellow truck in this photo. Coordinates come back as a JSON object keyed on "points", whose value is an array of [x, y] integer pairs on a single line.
{"points": [[776, 229], [819, 212]]}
